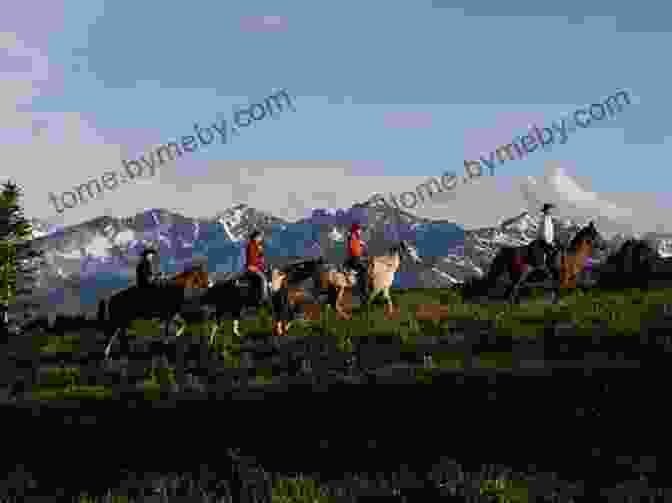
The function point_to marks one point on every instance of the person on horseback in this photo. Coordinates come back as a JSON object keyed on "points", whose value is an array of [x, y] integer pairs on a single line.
{"points": [[146, 272], [544, 247], [356, 259], [255, 263]]}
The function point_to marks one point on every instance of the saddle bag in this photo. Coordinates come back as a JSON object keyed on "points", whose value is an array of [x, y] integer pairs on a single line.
{"points": [[519, 264]]}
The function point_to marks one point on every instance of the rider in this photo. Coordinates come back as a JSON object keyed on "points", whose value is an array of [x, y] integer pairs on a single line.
{"points": [[255, 263], [146, 272], [546, 246], [355, 260]]}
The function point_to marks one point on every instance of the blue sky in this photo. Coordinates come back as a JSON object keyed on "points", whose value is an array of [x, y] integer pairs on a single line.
{"points": [[394, 89]]}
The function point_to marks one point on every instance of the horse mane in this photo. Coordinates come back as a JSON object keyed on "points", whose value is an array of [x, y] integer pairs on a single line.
{"points": [[192, 271], [396, 249], [300, 270], [580, 236], [633, 245]]}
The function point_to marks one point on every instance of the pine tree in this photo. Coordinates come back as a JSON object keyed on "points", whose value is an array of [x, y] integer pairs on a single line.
{"points": [[18, 259]]}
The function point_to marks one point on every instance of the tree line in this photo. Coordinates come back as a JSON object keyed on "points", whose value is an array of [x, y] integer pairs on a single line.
{"points": [[19, 260]]}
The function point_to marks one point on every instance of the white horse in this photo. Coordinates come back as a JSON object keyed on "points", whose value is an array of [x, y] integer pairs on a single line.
{"points": [[381, 270]]}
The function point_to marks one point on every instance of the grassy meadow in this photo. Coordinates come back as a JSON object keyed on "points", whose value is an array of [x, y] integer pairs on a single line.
{"points": [[418, 313]]}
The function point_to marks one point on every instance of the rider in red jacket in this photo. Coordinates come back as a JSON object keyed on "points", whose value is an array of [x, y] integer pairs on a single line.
{"points": [[356, 259], [255, 263]]}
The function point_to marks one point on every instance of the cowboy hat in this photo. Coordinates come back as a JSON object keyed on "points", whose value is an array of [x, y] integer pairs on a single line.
{"points": [[547, 207], [256, 233]]}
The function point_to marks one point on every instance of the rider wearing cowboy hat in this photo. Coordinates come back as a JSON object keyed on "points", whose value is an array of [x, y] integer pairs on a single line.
{"points": [[545, 244], [255, 263], [355, 260], [146, 272]]}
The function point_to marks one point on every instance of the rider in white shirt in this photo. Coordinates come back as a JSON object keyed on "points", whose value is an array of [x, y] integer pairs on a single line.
{"points": [[546, 229], [546, 237]]}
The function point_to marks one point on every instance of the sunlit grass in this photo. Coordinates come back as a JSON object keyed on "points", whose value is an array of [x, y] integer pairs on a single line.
{"points": [[299, 490], [506, 491], [72, 393]]}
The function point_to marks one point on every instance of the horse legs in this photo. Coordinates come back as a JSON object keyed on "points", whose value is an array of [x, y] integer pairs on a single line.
{"points": [[337, 304], [389, 306], [373, 293], [214, 331], [513, 292], [125, 343], [557, 284], [180, 330], [111, 338], [123, 339], [280, 328]]}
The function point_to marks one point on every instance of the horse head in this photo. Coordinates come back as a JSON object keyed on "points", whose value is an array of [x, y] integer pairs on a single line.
{"points": [[404, 249], [588, 235], [410, 250], [278, 280], [350, 277]]}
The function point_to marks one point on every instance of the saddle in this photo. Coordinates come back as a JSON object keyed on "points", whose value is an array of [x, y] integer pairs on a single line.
{"points": [[558, 250], [245, 279], [344, 269], [239, 278]]}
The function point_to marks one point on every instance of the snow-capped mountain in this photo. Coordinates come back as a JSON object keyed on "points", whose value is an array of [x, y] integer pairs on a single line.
{"points": [[240, 219]]}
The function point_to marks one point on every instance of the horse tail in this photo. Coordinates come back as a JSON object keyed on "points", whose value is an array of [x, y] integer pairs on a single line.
{"points": [[496, 268]]}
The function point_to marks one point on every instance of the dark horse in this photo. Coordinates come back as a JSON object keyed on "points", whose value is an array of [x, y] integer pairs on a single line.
{"points": [[521, 262], [632, 266], [235, 295], [162, 302]]}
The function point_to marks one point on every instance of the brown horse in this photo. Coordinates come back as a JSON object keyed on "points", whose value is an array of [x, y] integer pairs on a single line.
{"points": [[520, 263], [162, 302], [333, 281]]}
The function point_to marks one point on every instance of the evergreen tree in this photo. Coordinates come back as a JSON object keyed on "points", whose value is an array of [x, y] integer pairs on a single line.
{"points": [[18, 259]]}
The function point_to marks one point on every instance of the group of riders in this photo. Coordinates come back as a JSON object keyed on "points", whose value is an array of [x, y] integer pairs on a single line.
{"points": [[149, 277], [542, 252]]}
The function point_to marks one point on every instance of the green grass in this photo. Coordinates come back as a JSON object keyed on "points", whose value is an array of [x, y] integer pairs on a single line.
{"points": [[506, 491], [72, 393], [623, 313], [304, 489], [299, 490]]}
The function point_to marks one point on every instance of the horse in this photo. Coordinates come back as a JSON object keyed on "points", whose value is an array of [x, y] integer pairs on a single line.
{"points": [[519, 262], [235, 294], [332, 281], [631, 266], [326, 279], [163, 302], [381, 270]]}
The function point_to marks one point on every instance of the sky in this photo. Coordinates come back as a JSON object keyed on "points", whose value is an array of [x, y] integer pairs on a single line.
{"points": [[385, 95]]}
